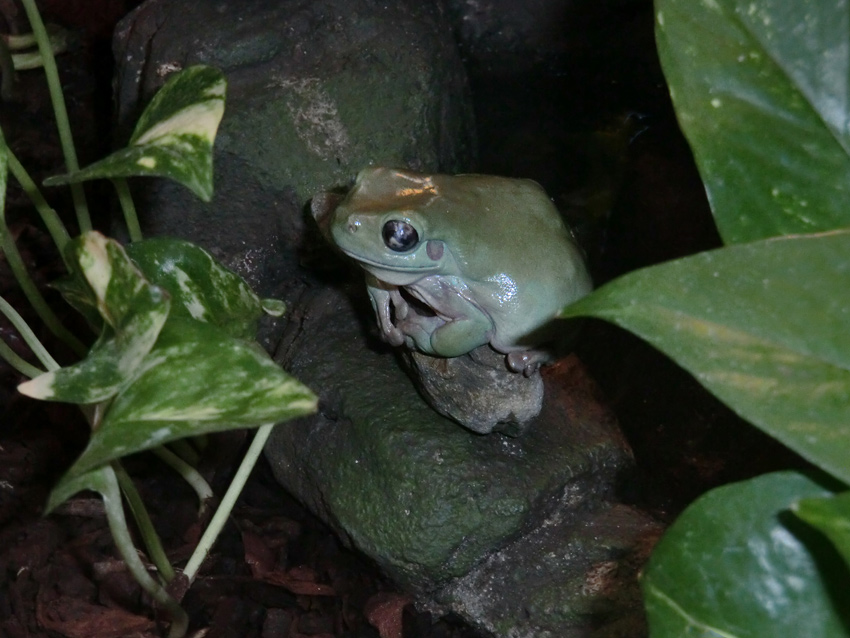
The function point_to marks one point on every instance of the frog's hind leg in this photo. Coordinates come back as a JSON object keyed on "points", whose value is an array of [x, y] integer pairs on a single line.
{"points": [[461, 335]]}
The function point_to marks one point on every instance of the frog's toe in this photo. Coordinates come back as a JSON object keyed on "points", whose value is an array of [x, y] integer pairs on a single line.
{"points": [[393, 336], [526, 361]]}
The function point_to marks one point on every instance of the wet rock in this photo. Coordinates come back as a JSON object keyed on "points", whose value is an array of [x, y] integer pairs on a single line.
{"points": [[496, 33], [317, 89], [573, 575], [506, 37], [438, 507], [478, 390]]}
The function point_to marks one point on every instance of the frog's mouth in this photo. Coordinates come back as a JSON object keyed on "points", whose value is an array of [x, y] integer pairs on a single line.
{"points": [[384, 266]]}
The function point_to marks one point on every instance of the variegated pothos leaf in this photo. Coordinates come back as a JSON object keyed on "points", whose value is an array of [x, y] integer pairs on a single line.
{"points": [[101, 480], [197, 379], [174, 136], [200, 287], [133, 311]]}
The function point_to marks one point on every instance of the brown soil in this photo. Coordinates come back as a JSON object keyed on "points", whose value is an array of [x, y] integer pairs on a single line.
{"points": [[275, 573]]}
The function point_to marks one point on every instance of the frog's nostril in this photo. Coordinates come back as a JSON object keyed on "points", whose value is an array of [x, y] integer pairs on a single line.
{"points": [[353, 225]]}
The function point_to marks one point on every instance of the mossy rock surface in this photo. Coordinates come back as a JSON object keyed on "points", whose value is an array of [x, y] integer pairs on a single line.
{"points": [[317, 89], [424, 497]]}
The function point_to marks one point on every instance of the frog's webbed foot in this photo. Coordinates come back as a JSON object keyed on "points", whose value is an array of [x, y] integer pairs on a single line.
{"points": [[393, 327], [388, 305], [399, 322], [527, 361]]}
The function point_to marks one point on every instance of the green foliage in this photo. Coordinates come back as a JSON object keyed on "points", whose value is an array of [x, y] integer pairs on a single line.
{"points": [[100, 481], [769, 576], [133, 313], [173, 138], [831, 516], [762, 325], [196, 380], [175, 355], [201, 288], [761, 93], [168, 376]]}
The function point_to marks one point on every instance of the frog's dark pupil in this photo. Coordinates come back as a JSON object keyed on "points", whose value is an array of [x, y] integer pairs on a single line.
{"points": [[400, 236]]}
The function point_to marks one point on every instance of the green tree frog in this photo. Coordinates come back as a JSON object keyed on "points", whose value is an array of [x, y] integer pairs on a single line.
{"points": [[456, 262]]}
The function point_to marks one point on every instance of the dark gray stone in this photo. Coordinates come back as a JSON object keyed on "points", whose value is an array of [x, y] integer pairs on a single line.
{"points": [[317, 89], [478, 390], [431, 502], [498, 32], [516, 534], [505, 37], [574, 575]]}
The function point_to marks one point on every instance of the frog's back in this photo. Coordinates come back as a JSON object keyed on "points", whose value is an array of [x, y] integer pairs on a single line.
{"points": [[510, 249], [517, 251]]}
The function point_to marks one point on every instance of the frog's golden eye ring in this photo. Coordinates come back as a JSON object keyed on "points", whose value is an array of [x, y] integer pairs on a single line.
{"points": [[400, 236]]}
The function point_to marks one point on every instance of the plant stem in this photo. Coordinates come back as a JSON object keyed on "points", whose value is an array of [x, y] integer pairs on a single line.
{"points": [[16, 265], [143, 520], [28, 335], [227, 502], [51, 220], [189, 474], [26, 60], [184, 449], [7, 68], [19, 41], [129, 209], [124, 543], [17, 362], [59, 110]]}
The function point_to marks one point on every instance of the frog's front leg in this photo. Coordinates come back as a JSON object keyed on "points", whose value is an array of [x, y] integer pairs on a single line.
{"points": [[386, 299], [419, 329], [461, 335]]}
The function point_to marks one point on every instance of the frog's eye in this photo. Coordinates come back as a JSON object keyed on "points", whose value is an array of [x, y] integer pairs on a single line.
{"points": [[400, 236]]}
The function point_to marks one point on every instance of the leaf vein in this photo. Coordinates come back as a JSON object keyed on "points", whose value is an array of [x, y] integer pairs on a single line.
{"points": [[719, 633]]}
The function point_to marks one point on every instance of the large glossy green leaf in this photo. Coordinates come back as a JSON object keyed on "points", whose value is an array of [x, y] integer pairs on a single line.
{"points": [[200, 287], [764, 326], [174, 136], [197, 379], [134, 312], [762, 92], [831, 516], [736, 564]]}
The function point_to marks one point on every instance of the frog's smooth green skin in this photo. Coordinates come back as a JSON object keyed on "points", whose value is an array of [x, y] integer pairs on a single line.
{"points": [[456, 262]]}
